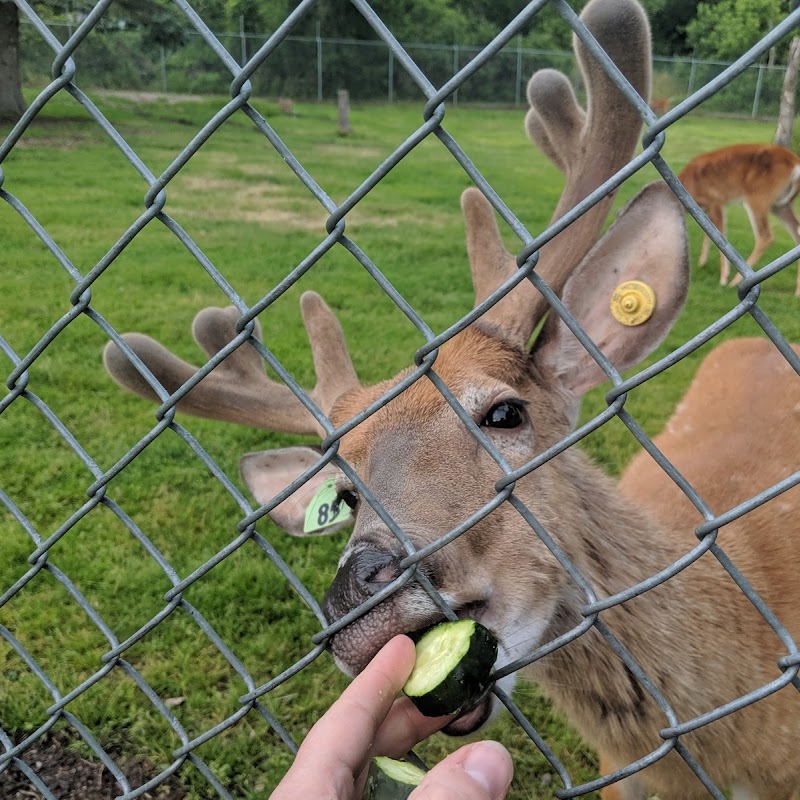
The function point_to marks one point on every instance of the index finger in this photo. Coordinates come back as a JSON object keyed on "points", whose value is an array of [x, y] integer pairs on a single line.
{"points": [[338, 745]]}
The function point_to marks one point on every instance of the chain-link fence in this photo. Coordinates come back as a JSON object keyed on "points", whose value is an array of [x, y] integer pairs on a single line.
{"points": [[315, 68], [120, 661]]}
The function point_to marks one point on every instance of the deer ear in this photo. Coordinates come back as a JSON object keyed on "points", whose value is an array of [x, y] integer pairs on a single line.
{"points": [[268, 472], [646, 243]]}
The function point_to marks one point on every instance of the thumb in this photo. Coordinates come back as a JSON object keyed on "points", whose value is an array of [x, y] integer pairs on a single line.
{"points": [[479, 771]]}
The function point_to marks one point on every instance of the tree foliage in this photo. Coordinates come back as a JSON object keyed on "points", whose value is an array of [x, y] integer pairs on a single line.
{"points": [[715, 28], [721, 29], [727, 28], [668, 21], [164, 27]]}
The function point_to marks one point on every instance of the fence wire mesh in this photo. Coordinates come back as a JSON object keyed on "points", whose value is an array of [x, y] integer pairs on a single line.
{"points": [[21, 391]]}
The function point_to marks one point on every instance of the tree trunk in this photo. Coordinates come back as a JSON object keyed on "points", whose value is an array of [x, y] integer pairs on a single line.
{"points": [[783, 135], [12, 106]]}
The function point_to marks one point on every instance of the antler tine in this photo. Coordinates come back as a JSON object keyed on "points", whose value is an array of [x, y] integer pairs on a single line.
{"points": [[555, 121], [612, 125], [589, 147], [238, 390], [489, 260], [335, 372], [212, 328]]}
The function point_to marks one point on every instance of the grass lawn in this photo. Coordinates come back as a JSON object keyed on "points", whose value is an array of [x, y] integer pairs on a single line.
{"points": [[255, 221]]}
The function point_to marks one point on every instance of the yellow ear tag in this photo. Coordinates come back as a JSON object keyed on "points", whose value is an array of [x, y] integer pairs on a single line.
{"points": [[633, 303], [325, 509]]}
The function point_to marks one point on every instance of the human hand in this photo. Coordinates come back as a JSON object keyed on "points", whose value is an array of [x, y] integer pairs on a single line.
{"points": [[367, 720]]}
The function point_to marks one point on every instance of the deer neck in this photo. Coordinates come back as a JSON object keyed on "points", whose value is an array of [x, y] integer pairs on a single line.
{"points": [[615, 544], [614, 540]]}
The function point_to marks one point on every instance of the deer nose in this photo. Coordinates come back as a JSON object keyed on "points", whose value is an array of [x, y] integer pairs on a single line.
{"points": [[364, 574], [373, 569]]}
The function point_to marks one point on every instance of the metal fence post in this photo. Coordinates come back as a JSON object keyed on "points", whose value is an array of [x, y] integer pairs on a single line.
{"points": [[518, 80], [391, 76], [758, 90], [242, 39], [455, 70], [163, 66], [319, 64], [692, 70]]}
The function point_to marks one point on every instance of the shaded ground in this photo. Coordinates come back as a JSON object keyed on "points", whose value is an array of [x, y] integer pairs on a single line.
{"points": [[71, 777]]}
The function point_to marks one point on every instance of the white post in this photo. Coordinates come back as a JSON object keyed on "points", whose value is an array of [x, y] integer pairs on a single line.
{"points": [[691, 78], [391, 76], [242, 39], [163, 70], [757, 97], [455, 69]]}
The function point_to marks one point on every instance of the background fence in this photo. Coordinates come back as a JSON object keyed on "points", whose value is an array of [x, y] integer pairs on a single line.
{"points": [[314, 68], [22, 392]]}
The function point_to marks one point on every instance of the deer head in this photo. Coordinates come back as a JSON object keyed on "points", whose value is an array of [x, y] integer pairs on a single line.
{"points": [[415, 455]]}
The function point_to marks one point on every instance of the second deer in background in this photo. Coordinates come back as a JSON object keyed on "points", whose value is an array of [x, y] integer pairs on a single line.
{"points": [[765, 177]]}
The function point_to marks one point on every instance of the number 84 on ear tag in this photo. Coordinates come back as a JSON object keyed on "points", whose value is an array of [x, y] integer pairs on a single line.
{"points": [[325, 509]]}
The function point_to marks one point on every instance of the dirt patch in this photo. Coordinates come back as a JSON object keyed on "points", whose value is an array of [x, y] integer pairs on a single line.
{"points": [[272, 202], [227, 187], [71, 777], [55, 143], [150, 97], [342, 151], [272, 213], [52, 122], [276, 205], [67, 133]]}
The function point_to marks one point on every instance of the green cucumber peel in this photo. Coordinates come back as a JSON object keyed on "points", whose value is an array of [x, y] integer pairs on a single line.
{"points": [[390, 779], [454, 661]]}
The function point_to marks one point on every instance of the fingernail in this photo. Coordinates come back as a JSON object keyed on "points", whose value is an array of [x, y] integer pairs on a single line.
{"points": [[489, 764]]}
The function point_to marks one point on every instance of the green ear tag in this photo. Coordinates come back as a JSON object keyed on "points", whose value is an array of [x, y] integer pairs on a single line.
{"points": [[325, 509]]}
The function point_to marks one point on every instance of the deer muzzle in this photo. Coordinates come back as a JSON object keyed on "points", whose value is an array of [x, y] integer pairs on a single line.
{"points": [[408, 610], [364, 573]]}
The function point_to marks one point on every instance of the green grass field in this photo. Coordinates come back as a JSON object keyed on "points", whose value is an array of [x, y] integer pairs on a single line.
{"points": [[255, 221]]}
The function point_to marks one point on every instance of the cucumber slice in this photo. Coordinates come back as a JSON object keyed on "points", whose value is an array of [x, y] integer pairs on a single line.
{"points": [[452, 668], [389, 779]]}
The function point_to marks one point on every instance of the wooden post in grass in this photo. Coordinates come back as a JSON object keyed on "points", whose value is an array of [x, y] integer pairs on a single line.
{"points": [[343, 101]]}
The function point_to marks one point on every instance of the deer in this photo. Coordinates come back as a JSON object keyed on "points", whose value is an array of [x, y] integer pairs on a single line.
{"points": [[417, 463], [765, 177], [286, 105], [660, 105]]}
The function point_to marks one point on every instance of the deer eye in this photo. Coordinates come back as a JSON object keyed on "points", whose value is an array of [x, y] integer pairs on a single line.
{"points": [[347, 496], [507, 414]]}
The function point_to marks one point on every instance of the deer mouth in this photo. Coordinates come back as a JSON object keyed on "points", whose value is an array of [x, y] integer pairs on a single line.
{"points": [[475, 715], [470, 720], [410, 612]]}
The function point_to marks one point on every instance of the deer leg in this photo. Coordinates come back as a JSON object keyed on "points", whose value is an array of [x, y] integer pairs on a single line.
{"points": [[713, 213], [757, 214], [787, 216], [628, 789], [704, 251], [716, 214]]}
